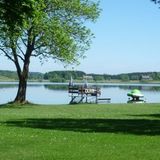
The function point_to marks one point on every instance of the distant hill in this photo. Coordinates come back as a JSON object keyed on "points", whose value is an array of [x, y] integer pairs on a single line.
{"points": [[8, 75], [12, 75], [64, 76], [136, 76]]}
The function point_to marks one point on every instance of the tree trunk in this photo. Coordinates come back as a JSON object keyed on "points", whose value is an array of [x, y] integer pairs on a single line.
{"points": [[22, 87], [23, 74], [21, 94]]}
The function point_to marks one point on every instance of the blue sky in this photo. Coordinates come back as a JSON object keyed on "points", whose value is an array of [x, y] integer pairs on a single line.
{"points": [[127, 40]]}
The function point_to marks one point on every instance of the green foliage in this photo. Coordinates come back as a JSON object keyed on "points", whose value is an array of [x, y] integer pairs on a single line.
{"points": [[55, 28], [134, 77], [13, 12], [98, 77], [35, 76], [156, 1], [9, 75], [62, 76], [45, 29], [124, 77], [12, 75], [56, 87]]}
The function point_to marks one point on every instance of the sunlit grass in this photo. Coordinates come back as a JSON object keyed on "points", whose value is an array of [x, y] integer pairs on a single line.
{"points": [[76, 132]]}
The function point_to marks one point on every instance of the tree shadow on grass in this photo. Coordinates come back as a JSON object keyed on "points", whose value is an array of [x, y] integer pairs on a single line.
{"points": [[13, 105], [122, 126], [146, 115]]}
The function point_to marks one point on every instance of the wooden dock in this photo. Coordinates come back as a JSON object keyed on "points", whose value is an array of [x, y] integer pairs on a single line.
{"points": [[81, 94], [103, 100]]}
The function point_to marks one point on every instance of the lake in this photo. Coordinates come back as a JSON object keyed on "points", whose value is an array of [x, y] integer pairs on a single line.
{"points": [[56, 93]]}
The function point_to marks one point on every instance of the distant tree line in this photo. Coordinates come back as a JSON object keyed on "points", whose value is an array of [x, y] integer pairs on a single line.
{"points": [[13, 75], [65, 76], [137, 76]]}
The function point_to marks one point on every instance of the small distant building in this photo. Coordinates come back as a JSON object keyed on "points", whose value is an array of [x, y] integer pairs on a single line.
{"points": [[88, 77], [146, 78]]}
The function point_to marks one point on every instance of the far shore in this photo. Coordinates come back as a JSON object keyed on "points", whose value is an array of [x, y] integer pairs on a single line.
{"points": [[82, 81]]}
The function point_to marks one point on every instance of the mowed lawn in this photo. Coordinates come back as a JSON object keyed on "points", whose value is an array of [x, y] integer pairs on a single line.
{"points": [[80, 132]]}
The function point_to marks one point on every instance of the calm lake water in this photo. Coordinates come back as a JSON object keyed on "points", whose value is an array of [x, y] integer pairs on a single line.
{"points": [[56, 93]]}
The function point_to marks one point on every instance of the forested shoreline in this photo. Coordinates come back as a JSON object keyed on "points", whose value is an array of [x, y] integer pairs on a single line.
{"points": [[65, 76]]}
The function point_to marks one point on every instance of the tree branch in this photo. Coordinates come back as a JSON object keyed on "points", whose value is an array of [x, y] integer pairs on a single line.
{"points": [[20, 50], [23, 42], [16, 62], [6, 54], [41, 45], [38, 53], [20, 57]]}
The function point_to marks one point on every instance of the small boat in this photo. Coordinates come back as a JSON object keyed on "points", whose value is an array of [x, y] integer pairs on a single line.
{"points": [[135, 94]]}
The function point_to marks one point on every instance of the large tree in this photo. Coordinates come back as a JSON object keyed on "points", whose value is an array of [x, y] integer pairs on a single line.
{"points": [[156, 1], [45, 29]]}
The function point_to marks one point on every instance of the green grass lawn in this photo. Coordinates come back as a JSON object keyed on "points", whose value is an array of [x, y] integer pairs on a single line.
{"points": [[80, 132]]}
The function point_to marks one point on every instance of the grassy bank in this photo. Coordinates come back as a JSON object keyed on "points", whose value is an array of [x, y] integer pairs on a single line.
{"points": [[88, 132]]}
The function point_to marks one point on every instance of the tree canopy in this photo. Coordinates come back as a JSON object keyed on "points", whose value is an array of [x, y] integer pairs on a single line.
{"points": [[45, 29], [52, 28], [156, 1]]}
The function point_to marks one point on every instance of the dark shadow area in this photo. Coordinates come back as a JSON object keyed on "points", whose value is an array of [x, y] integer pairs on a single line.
{"points": [[13, 105], [122, 126], [3, 105], [63, 87], [7, 105], [146, 115]]}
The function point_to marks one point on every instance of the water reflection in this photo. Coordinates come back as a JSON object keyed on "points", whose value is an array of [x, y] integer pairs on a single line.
{"points": [[56, 87], [7, 86], [56, 93], [142, 88]]}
